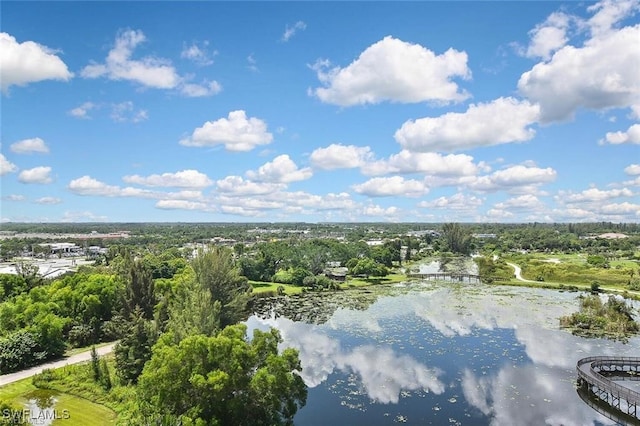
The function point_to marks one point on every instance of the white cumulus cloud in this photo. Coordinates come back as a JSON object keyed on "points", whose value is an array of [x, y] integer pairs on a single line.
{"points": [[236, 185], [631, 135], [503, 120], [429, 163], [40, 174], [608, 13], [86, 185], [549, 36], [29, 146], [518, 178], [391, 186], [376, 210], [48, 200], [28, 62], [181, 179], [394, 70], [338, 156], [207, 88], [148, 71], [281, 170], [6, 166], [625, 208], [236, 133], [592, 195], [599, 75], [523, 202], [181, 205], [633, 169], [457, 201]]}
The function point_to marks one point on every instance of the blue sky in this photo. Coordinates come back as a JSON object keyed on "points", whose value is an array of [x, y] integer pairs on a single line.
{"points": [[320, 111]]}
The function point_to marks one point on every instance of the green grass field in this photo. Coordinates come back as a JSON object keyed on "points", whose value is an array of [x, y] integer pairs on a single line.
{"points": [[263, 287], [363, 282], [80, 411]]}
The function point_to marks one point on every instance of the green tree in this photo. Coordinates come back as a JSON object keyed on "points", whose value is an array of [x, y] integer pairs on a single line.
{"points": [[215, 271], [383, 254], [139, 291], [369, 267], [11, 285], [105, 375], [192, 310], [457, 239], [224, 379], [95, 364], [134, 349], [30, 273]]}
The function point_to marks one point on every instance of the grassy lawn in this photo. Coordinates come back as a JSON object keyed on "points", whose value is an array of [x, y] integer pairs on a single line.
{"points": [[14, 390], [262, 287], [81, 411], [625, 264], [572, 271], [362, 282]]}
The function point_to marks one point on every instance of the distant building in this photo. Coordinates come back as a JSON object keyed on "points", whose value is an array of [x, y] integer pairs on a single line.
{"points": [[606, 236], [61, 248], [424, 233], [336, 274], [612, 236]]}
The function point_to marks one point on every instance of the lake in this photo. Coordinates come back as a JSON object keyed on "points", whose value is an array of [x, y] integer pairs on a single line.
{"points": [[438, 353]]}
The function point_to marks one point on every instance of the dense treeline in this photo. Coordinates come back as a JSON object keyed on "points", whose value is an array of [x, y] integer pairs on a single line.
{"points": [[38, 324], [158, 237], [209, 230], [167, 311]]}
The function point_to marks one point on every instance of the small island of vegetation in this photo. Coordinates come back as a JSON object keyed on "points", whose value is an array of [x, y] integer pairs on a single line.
{"points": [[611, 319]]}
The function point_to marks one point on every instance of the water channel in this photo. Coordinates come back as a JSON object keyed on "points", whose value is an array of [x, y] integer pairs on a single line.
{"points": [[428, 353]]}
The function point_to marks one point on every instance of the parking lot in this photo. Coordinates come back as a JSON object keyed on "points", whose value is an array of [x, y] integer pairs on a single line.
{"points": [[48, 268]]}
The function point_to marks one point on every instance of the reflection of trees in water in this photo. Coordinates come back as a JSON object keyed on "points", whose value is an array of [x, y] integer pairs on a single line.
{"points": [[314, 308], [42, 398], [455, 265]]}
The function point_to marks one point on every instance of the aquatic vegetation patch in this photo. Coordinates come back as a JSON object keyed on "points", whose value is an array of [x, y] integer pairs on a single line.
{"points": [[611, 319]]}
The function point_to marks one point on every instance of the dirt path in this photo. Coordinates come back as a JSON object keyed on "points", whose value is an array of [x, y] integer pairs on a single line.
{"points": [[73, 359]]}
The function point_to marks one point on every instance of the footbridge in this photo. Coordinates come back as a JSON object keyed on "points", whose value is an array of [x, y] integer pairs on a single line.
{"points": [[598, 376], [445, 276]]}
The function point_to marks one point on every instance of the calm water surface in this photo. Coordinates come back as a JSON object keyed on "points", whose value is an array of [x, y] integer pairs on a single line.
{"points": [[441, 354]]}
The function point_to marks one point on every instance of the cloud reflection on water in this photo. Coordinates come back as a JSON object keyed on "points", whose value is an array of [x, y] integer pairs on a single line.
{"points": [[384, 373], [527, 395], [508, 388]]}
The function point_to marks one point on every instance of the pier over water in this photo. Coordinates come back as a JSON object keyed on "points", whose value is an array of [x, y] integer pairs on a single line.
{"points": [[446, 276], [598, 375]]}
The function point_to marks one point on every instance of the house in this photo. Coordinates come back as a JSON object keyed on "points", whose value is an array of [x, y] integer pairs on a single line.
{"points": [[336, 274]]}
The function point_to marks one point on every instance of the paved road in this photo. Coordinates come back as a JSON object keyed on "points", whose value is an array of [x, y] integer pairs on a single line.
{"points": [[518, 272], [73, 359]]}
